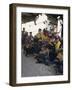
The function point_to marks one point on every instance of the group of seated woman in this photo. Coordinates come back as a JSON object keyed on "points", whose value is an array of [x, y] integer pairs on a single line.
{"points": [[45, 46]]}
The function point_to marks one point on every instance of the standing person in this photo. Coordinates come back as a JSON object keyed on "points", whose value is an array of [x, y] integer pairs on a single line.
{"points": [[57, 43], [60, 26], [39, 34], [30, 37], [45, 38], [26, 46], [23, 37]]}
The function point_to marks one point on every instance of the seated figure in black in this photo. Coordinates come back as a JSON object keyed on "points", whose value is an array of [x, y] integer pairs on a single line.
{"points": [[43, 56], [52, 51], [59, 62], [36, 46]]}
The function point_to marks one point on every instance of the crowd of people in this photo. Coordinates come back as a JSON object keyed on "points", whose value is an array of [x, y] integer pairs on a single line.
{"points": [[46, 47]]}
